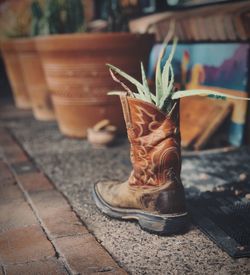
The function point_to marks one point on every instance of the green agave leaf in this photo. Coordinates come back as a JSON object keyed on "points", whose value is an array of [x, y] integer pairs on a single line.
{"points": [[158, 75], [166, 70], [145, 83], [116, 93], [220, 95], [163, 85], [172, 50], [138, 85], [122, 92], [153, 98], [169, 88], [138, 96], [171, 82], [169, 113], [158, 78], [119, 81], [165, 79]]}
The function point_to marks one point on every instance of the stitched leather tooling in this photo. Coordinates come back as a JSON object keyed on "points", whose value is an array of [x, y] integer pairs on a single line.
{"points": [[155, 144]]}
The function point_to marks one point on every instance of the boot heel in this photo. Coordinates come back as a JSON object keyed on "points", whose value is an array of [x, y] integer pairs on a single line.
{"points": [[164, 225]]}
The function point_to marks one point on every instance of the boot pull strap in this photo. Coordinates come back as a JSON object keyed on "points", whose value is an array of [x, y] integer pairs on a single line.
{"points": [[126, 110]]}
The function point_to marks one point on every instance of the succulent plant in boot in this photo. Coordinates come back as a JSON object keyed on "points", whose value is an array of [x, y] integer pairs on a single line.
{"points": [[153, 194]]}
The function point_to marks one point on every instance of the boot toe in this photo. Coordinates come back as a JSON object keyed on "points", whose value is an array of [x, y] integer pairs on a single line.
{"points": [[116, 194], [105, 190]]}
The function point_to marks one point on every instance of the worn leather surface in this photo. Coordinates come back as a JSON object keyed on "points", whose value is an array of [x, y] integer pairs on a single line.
{"points": [[154, 184]]}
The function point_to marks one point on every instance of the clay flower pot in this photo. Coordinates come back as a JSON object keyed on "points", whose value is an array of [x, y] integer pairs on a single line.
{"points": [[76, 114], [15, 74], [35, 80], [76, 74]]}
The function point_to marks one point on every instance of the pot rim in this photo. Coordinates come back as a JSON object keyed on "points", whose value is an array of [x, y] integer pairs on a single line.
{"points": [[24, 44], [91, 41], [18, 44], [81, 100], [89, 35]]}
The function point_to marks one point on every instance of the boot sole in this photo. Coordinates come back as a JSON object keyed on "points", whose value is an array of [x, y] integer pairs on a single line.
{"points": [[164, 224]]}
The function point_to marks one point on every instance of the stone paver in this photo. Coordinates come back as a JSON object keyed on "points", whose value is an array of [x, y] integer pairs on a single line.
{"points": [[86, 256], [14, 154], [5, 138], [45, 267], [16, 214], [10, 191], [56, 214], [5, 176], [24, 244], [39, 231], [35, 181]]}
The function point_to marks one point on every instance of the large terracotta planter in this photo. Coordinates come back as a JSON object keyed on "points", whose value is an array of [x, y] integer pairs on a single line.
{"points": [[35, 80], [15, 75], [77, 77]]}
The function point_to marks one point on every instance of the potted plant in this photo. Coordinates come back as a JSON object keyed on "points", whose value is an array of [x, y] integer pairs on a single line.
{"points": [[74, 66], [33, 73], [14, 24], [153, 195]]}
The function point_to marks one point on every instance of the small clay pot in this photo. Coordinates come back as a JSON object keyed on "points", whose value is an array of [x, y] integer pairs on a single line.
{"points": [[100, 138]]}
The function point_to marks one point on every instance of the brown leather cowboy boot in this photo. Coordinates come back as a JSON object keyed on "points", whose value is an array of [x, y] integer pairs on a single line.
{"points": [[154, 193]]}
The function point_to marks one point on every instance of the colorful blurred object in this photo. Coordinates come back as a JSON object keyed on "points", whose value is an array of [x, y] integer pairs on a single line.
{"points": [[220, 67]]}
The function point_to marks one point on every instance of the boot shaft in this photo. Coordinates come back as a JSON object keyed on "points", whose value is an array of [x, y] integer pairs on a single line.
{"points": [[155, 144]]}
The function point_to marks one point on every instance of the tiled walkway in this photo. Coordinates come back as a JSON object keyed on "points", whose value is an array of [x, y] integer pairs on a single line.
{"points": [[46, 178], [39, 232]]}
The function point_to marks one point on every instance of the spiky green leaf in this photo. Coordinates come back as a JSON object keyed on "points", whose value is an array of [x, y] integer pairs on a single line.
{"points": [[119, 81], [145, 83], [158, 75], [138, 85], [186, 93], [169, 88]]}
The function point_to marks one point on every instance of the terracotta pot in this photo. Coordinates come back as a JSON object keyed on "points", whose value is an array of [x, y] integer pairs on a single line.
{"points": [[76, 115], [35, 79], [15, 75], [76, 74]]}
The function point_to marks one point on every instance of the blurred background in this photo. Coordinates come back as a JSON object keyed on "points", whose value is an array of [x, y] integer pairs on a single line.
{"points": [[59, 127]]}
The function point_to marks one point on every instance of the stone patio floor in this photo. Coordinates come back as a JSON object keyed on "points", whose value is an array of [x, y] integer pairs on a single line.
{"points": [[50, 225]]}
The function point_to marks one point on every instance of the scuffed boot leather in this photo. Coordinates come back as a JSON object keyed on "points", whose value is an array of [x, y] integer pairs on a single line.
{"points": [[154, 193]]}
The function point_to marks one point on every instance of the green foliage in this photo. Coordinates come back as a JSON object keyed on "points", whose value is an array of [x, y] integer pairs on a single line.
{"points": [[166, 96], [212, 94], [37, 17], [15, 19], [117, 20], [138, 85], [57, 17]]}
